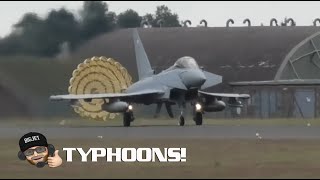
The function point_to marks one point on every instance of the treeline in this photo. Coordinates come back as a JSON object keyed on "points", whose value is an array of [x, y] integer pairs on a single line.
{"points": [[61, 30]]}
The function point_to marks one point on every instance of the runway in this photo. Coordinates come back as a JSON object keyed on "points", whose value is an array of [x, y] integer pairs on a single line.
{"points": [[205, 131]]}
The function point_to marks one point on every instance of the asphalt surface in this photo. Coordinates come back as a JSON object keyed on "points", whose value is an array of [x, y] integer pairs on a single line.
{"points": [[205, 131]]}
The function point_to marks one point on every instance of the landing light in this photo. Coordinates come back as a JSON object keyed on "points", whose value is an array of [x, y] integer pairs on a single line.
{"points": [[130, 107], [198, 107]]}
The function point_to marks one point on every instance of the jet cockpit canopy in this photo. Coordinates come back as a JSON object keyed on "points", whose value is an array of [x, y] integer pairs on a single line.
{"points": [[186, 62]]}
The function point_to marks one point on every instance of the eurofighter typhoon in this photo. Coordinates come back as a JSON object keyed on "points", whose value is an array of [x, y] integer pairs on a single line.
{"points": [[180, 84]]}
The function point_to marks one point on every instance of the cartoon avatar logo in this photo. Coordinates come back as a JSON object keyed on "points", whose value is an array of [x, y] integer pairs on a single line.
{"points": [[35, 149]]}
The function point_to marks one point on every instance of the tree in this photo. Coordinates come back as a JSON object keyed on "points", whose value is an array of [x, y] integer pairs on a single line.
{"points": [[112, 20], [96, 19], [129, 19], [26, 37], [164, 14], [149, 18], [60, 27], [35, 36]]}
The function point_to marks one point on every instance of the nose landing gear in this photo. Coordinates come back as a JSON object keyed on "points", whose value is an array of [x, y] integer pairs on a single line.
{"points": [[197, 114]]}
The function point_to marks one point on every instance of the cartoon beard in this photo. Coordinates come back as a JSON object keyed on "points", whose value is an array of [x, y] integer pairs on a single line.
{"points": [[34, 160]]}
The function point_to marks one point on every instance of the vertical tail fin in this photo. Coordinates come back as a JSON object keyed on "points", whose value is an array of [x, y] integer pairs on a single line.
{"points": [[143, 64]]}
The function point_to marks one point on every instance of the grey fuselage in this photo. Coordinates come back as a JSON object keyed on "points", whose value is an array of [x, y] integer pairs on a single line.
{"points": [[179, 84]]}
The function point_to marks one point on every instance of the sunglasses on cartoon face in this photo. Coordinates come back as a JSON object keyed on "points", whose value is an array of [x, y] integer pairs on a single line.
{"points": [[30, 152]]}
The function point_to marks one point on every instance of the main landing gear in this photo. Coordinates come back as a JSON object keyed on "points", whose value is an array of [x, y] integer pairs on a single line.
{"points": [[182, 107], [197, 115], [181, 120], [197, 118], [128, 117]]}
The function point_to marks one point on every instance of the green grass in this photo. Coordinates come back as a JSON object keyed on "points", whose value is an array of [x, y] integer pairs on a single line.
{"points": [[40, 76], [206, 158]]}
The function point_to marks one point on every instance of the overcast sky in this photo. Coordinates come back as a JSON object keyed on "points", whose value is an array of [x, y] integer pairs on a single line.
{"points": [[215, 12]]}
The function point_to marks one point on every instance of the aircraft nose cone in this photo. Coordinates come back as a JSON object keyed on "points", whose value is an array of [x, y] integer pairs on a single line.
{"points": [[202, 79], [193, 78]]}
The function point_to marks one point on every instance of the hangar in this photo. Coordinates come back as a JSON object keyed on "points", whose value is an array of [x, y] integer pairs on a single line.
{"points": [[294, 90]]}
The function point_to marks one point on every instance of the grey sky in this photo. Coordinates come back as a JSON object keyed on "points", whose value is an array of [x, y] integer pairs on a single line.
{"points": [[215, 12]]}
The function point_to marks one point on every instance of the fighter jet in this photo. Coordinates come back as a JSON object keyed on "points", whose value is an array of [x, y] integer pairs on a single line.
{"points": [[180, 84]]}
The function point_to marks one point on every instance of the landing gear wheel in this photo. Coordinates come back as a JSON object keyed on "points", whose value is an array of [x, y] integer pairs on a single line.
{"points": [[181, 121], [127, 119], [198, 118]]}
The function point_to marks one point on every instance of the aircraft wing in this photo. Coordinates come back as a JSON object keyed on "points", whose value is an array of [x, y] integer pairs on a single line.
{"points": [[227, 95], [232, 98], [212, 80], [108, 95]]}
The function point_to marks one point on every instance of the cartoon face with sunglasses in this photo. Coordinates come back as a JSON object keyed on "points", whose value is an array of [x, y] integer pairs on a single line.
{"points": [[35, 149], [36, 154]]}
